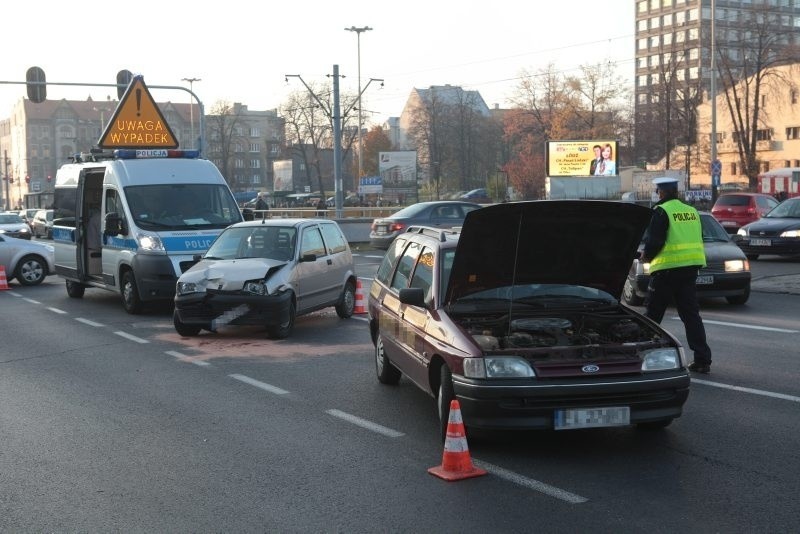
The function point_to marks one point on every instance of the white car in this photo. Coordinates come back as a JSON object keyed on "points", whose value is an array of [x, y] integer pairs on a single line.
{"points": [[266, 273], [27, 261]]}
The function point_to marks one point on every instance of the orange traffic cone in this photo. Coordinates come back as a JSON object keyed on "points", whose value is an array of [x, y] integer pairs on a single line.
{"points": [[456, 462], [3, 279], [359, 305]]}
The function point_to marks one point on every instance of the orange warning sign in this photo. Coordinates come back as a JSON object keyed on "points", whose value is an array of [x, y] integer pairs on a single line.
{"points": [[137, 121]]}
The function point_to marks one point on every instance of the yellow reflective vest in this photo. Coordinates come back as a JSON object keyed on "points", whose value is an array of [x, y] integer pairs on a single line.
{"points": [[684, 244]]}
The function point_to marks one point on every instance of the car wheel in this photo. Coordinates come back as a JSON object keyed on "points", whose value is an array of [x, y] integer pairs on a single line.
{"points": [[446, 394], [283, 330], [629, 294], [738, 300], [31, 270], [752, 256], [384, 368], [130, 294], [183, 329], [653, 425], [75, 290], [347, 302]]}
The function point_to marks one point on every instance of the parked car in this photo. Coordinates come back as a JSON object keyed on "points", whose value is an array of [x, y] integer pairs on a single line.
{"points": [[267, 272], [726, 274], [517, 316], [734, 210], [27, 261], [479, 196], [43, 224], [27, 215], [777, 232], [436, 213], [12, 225]]}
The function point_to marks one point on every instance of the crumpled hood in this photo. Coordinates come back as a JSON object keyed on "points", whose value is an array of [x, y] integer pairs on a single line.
{"points": [[590, 243], [229, 275]]}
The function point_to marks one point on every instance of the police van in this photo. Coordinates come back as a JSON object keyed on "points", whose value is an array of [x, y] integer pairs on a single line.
{"points": [[131, 221]]}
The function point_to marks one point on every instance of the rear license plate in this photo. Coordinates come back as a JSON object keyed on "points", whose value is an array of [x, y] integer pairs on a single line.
{"points": [[591, 417], [728, 223], [760, 242], [381, 230], [705, 279]]}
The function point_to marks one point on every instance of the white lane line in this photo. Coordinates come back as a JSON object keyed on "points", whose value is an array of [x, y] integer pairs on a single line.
{"points": [[56, 310], [187, 359], [751, 327], [372, 256], [261, 385], [531, 483], [87, 321], [761, 392], [360, 318], [363, 423], [132, 338], [14, 293], [26, 299]]}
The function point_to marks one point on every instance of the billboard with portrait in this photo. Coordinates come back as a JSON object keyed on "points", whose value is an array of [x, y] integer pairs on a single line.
{"points": [[582, 158]]}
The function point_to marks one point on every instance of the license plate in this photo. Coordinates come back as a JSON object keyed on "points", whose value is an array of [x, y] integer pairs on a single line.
{"points": [[380, 230], [760, 242], [705, 279], [728, 223], [592, 417]]}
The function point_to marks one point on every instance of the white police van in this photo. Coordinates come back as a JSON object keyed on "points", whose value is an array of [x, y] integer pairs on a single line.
{"points": [[132, 221]]}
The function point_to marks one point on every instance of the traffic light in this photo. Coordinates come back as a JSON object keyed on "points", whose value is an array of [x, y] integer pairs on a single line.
{"points": [[27, 179], [49, 178], [11, 179], [37, 90]]}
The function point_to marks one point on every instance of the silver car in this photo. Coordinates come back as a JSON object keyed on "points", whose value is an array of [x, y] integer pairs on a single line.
{"points": [[12, 225], [267, 273], [27, 261]]}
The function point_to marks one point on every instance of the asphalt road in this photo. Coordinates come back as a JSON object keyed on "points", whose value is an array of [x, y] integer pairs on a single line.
{"points": [[113, 422]]}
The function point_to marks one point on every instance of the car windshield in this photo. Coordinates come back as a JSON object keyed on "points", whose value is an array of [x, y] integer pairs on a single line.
{"points": [[270, 242], [177, 206], [787, 208], [10, 218]]}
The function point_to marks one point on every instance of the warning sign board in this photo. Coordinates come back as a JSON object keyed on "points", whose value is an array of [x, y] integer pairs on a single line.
{"points": [[137, 122]]}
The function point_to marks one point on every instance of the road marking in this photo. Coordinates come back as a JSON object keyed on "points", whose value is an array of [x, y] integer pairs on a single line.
{"points": [[129, 336], [14, 293], [531, 483], [762, 392], [260, 385], [87, 321], [188, 359], [363, 423], [751, 327], [31, 300], [56, 310]]}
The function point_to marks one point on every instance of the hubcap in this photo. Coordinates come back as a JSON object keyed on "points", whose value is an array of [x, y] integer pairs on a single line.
{"points": [[32, 271]]}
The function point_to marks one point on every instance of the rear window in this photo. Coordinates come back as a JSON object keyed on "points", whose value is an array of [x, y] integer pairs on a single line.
{"points": [[733, 200]]}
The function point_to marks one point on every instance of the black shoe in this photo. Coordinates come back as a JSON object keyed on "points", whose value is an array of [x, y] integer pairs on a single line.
{"points": [[700, 367]]}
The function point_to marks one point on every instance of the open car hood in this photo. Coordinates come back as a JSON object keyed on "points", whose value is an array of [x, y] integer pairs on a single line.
{"points": [[589, 243]]}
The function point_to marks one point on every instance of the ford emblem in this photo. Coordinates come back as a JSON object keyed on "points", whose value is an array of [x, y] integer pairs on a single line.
{"points": [[590, 368]]}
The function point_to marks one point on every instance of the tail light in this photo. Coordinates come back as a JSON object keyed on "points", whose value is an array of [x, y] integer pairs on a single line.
{"points": [[396, 227]]}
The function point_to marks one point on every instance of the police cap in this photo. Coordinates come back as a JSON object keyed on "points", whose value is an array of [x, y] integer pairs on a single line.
{"points": [[666, 182]]}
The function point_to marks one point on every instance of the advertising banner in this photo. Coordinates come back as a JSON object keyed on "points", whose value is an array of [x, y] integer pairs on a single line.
{"points": [[582, 158], [282, 171], [398, 173]]}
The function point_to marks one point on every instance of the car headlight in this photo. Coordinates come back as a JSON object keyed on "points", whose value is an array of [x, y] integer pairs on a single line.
{"points": [[186, 288], [742, 232], [645, 267], [661, 359], [149, 242], [791, 233], [24, 230], [497, 367], [256, 287], [736, 266]]}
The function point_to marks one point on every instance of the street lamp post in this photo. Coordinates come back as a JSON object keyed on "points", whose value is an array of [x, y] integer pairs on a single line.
{"points": [[191, 104], [359, 31]]}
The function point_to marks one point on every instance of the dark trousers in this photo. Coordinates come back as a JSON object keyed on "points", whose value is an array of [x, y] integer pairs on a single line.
{"points": [[679, 285]]}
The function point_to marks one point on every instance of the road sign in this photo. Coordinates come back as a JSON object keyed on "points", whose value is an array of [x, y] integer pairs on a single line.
{"points": [[137, 122], [716, 167]]}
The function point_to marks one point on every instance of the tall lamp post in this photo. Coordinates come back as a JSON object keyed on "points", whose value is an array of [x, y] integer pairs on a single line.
{"points": [[359, 31], [191, 104]]}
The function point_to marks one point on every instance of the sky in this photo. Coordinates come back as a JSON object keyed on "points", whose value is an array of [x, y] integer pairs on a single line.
{"points": [[241, 50]]}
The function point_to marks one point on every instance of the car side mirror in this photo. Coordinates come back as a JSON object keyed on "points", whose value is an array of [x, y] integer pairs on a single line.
{"points": [[115, 225], [308, 257], [413, 295]]}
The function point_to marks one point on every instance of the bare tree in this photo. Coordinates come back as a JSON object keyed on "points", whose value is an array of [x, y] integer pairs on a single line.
{"points": [[223, 123]]}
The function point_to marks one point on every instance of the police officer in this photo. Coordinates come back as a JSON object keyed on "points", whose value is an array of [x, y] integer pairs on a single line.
{"points": [[674, 248]]}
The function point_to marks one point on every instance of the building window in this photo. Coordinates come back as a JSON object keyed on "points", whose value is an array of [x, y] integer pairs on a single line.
{"points": [[793, 96], [642, 6], [643, 25], [255, 163], [238, 163], [733, 169], [66, 132], [255, 147], [654, 41], [764, 135], [255, 131], [256, 179], [642, 43], [237, 147]]}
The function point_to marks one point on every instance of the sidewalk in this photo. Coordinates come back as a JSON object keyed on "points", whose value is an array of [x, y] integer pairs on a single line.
{"points": [[786, 283]]}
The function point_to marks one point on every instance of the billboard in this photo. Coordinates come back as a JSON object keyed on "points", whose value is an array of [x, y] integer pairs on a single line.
{"points": [[398, 174], [582, 158], [282, 172]]}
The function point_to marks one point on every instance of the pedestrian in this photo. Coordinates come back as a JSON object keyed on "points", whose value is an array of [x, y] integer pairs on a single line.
{"points": [[261, 203], [673, 245], [321, 207]]}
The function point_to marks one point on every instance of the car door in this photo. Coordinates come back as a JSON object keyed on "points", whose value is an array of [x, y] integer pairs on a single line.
{"points": [[311, 276]]}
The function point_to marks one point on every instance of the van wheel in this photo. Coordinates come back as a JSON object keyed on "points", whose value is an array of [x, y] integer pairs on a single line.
{"points": [[75, 290], [283, 330], [347, 302], [130, 294], [31, 270], [186, 330]]}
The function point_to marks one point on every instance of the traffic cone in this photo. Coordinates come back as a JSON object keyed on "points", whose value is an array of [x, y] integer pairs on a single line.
{"points": [[359, 305], [3, 279], [456, 462]]}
